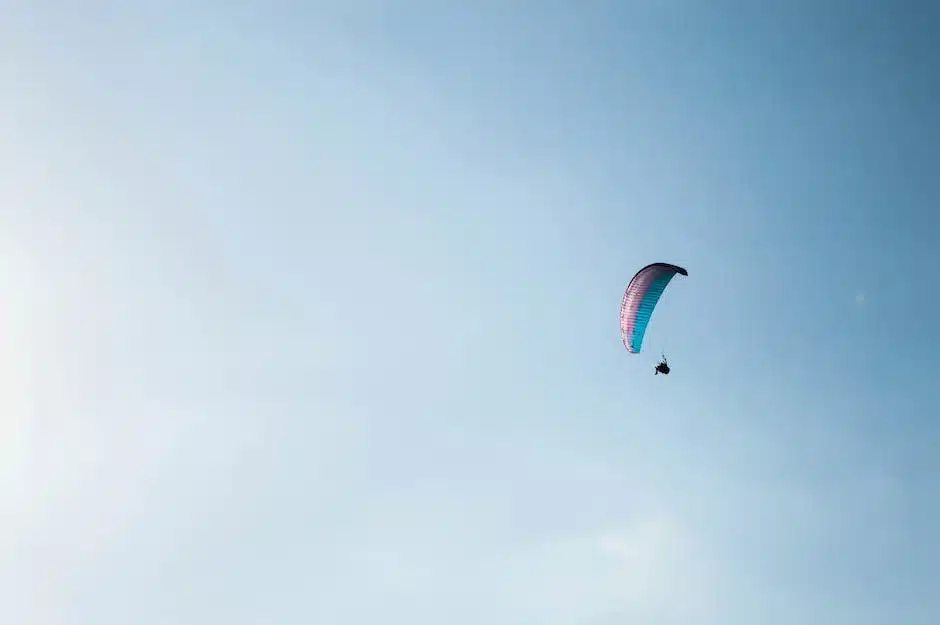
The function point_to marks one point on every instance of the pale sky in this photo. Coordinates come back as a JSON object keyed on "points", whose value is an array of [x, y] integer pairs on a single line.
{"points": [[309, 313]]}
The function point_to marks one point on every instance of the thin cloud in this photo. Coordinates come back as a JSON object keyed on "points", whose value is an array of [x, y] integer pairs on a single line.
{"points": [[646, 570]]}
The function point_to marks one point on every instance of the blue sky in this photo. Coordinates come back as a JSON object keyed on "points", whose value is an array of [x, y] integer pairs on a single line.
{"points": [[309, 313]]}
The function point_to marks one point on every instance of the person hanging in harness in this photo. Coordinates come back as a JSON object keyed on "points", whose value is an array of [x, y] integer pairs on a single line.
{"points": [[662, 367]]}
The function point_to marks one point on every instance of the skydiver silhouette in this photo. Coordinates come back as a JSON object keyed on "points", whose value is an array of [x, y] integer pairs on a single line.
{"points": [[662, 367]]}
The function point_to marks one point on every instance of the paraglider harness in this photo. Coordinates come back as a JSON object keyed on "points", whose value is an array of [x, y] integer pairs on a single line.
{"points": [[662, 367]]}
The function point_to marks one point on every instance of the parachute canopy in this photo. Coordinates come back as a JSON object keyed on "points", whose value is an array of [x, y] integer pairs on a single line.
{"points": [[640, 299]]}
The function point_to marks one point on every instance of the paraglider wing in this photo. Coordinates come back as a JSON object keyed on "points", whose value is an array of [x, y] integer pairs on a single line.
{"points": [[640, 299]]}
